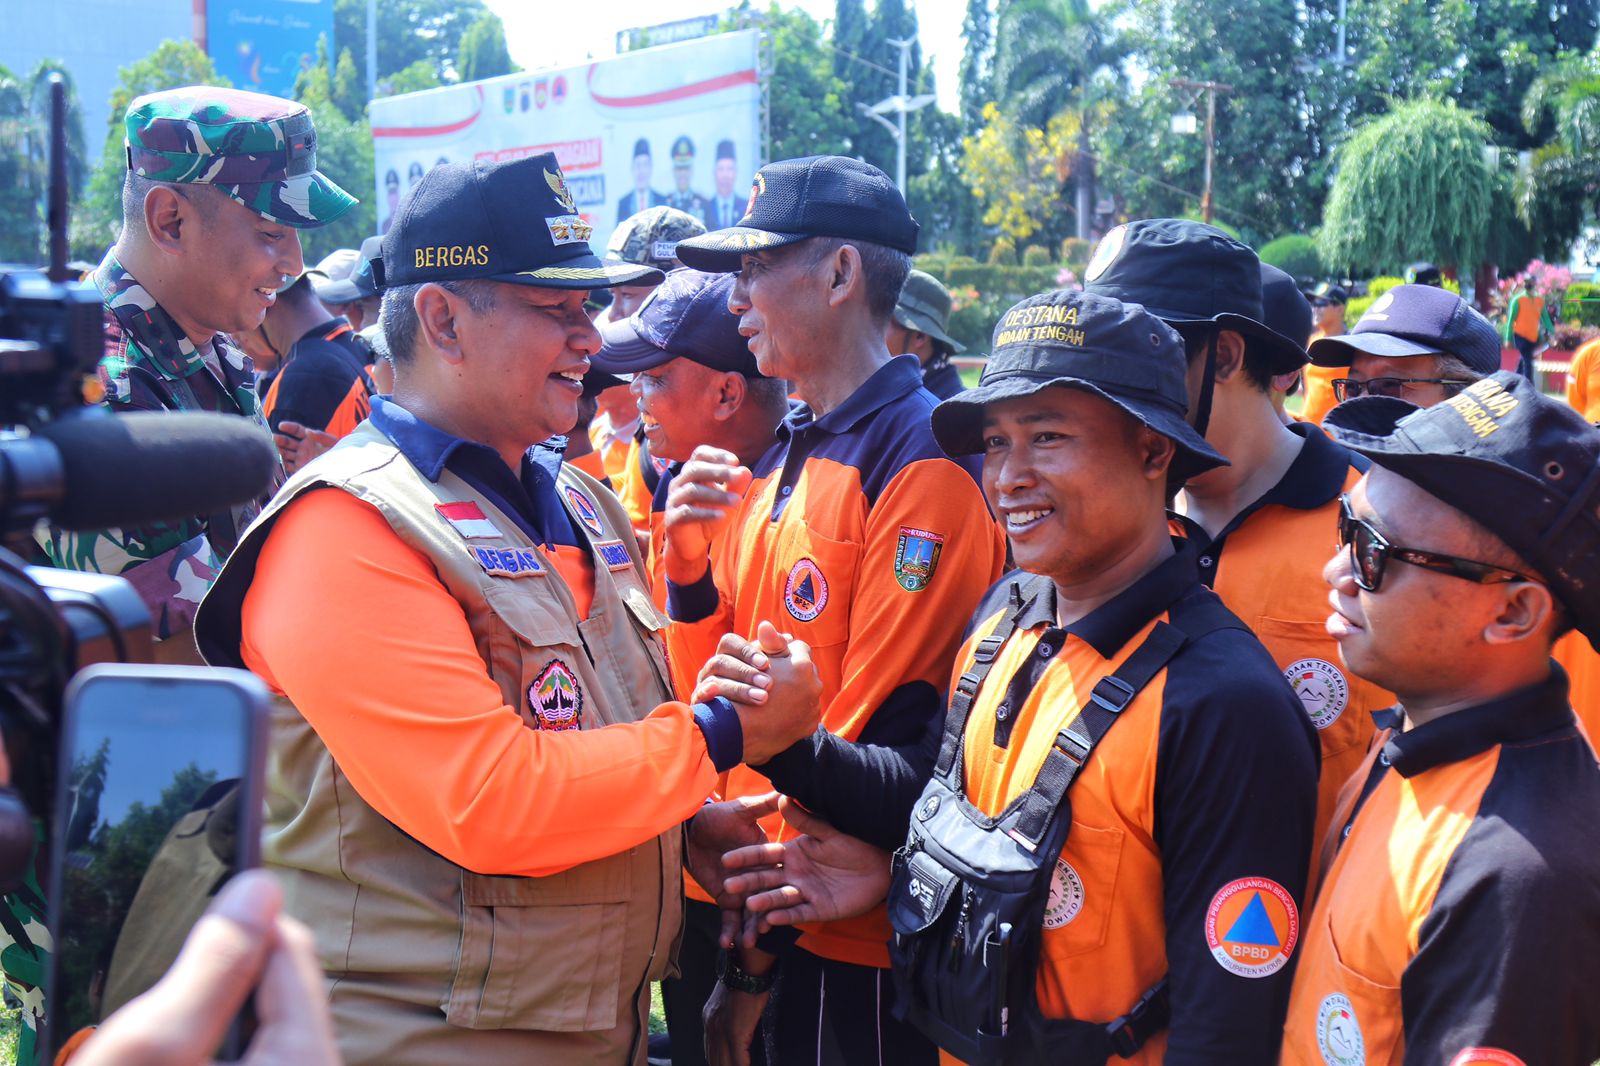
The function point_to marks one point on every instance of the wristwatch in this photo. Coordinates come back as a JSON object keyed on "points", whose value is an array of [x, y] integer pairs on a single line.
{"points": [[729, 973]]}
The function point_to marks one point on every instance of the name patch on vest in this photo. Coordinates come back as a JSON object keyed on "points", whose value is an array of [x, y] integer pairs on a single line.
{"points": [[555, 698], [614, 554], [468, 520], [508, 562]]}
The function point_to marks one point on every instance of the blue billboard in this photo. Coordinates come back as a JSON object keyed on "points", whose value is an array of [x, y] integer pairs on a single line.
{"points": [[262, 45]]}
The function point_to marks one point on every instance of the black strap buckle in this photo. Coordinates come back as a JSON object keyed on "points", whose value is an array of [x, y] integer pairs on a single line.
{"points": [[1145, 1019], [1116, 695], [1073, 747]]}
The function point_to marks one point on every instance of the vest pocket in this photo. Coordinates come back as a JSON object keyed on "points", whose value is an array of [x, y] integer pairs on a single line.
{"points": [[542, 953], [1334, 700], [818, 585], [1354, 1012], [1082, 886]]}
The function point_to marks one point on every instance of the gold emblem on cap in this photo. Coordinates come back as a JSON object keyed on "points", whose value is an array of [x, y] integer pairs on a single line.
{"points": [[558, 185], [757, 187], [1105, 253]]}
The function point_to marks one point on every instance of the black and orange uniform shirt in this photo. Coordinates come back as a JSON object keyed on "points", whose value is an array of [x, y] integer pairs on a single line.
{"points": [[1191, 821], [862, 538], [640, 479], [323, 383], [1267, 567], [1459, 922]]}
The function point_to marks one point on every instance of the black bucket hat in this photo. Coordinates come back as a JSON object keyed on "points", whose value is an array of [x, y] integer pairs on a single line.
{"points": [[1079, 340], [1523, 465], [1188, 275]]}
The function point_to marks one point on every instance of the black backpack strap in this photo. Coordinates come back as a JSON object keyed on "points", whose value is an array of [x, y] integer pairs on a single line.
{"points": [[1074, 744], [966, 690]]}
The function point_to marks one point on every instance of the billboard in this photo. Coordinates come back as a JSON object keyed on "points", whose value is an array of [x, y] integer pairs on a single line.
{"points": [[674, 125], [262, 45]]}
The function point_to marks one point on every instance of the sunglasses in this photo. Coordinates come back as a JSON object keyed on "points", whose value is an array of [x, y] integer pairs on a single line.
{"points": [[1345, 388], [1370, 551]]}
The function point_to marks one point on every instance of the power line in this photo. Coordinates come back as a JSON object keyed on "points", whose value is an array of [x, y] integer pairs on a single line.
{"points": [[1237, 214]]}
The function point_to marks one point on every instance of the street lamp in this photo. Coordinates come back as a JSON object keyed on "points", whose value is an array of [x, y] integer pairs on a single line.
{"points": [[898, 104]]}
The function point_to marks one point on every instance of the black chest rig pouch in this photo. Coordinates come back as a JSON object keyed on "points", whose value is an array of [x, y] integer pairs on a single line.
{"points": [[968, 892]]}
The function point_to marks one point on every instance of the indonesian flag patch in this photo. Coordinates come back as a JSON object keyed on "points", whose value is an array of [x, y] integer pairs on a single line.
{"points": [[468, 520]]}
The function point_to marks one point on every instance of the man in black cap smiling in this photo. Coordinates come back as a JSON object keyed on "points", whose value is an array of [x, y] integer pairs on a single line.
{"points": [[482, 827], [1418, 343], [855, 532], [1460, 919], [1261, 522], [1118, 742]]}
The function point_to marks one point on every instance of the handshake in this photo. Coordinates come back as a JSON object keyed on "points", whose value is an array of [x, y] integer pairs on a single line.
{"points": [[820, 875]]}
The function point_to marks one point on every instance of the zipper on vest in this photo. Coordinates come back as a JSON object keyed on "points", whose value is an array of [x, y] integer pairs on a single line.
{"points": [[958, 939]]}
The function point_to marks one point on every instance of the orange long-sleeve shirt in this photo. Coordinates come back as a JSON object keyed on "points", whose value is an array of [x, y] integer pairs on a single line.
{"points": [[419, 727]]}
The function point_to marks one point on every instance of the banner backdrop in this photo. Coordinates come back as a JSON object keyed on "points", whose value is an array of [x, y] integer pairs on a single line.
{"points": [[674, 125], [261, 45]]}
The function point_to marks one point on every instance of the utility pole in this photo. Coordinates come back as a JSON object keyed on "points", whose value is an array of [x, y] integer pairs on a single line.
{"points": [[900, 104], [1211, 89], [372, 50]]}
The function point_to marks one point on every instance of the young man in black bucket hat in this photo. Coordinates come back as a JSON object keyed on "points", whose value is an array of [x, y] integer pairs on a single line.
{"points": [[1262, 522], [1111, 856], [1459, 920]]}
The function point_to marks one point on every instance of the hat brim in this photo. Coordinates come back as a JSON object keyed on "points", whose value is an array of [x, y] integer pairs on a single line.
{"points": [[1341, 351], [623, 351], [1282, 354], [343, 291], [584, 272], [304, 201], [958, 421], [719, 251], [925, 324]]}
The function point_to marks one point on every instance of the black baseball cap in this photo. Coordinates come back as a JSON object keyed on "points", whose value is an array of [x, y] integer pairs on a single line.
{"points": [[1523, 465], [1189, 275], [685, 316], [817, 196], [512, 221], [1080, 340], [1284, 308], [358, 284], [1413, 320]]}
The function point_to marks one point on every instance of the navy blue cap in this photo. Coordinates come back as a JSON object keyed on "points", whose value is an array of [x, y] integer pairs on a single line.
{"points": [[1189, 274], [1416, 320], [1078, 340], [512, 221], [1284, 307], [817, 196], [685, 316], [1524, 466]]}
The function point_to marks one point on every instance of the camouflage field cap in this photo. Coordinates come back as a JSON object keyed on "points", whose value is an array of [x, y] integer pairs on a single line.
{"points": [[260, 150], [650, 237]]}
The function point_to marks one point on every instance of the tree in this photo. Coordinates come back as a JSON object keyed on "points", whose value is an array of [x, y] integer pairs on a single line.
{"points": [[1015, 170], [1416, 183], [413, 79], [977, 64], [25, 158], [483, 51], [344, 154], [1561, 190], [171, 65], [1295, 254], [409, 32], [811, 112]]}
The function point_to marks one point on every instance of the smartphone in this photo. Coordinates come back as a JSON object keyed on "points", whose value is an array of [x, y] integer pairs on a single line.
{"points": [[158, 803]]}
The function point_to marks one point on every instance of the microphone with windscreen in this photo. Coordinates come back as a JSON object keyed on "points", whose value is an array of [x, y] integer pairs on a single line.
{"points": [[97, 470]]}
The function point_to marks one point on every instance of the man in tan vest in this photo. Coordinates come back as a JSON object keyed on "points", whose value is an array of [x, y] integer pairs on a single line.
{"points": [[477, 775]]}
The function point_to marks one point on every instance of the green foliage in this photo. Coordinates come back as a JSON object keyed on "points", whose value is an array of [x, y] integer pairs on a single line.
{"points": [[1035, 256], [25, 158], [420, 75], [483, 51], [1561, 187], [1581, 304], [410, 32], [1003, 252], [977, 63], [1413, 184], [344, 153], [983, 291], [1295, 254], [809, 102], [171, 65], [1075, 250]]}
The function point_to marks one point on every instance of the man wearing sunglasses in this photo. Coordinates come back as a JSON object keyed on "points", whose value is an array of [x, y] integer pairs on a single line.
{"points": [[1459, 920], [1417, 343]]}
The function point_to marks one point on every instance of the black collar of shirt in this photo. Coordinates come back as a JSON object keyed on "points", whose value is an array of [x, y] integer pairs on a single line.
{"points": [[1521, 715], [321, 332], [1108, 628], [529, 499], [900, 376]]}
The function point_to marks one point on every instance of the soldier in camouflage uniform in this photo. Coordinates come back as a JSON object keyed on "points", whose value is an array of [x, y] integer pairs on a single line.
{"points": [[192, 265]]}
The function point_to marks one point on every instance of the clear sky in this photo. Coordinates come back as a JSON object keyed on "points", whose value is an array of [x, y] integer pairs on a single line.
{"points": [[534, 42]]}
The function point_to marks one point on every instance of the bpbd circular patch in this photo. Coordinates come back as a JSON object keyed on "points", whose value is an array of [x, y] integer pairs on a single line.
{"points": [[805, 594], [586, 511], [1322, 688], [555, 698], [1251, 927], [1339, 1032]]}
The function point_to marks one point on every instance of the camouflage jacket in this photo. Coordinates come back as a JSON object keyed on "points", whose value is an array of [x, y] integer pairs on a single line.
{"points": [[150, 365], [25, 946]]}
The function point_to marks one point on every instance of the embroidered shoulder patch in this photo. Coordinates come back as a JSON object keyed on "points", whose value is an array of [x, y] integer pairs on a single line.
{"points": [[586, 511], [1339, 1032], [614, 554], [916, 557], [1322, 688], [1251, 927], [805, 594], [508, 562], [555, 698], [1486, 1056]]}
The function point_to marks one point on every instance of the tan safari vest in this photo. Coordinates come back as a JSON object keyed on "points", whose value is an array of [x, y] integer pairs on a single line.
{"points": [[566, 953]]}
